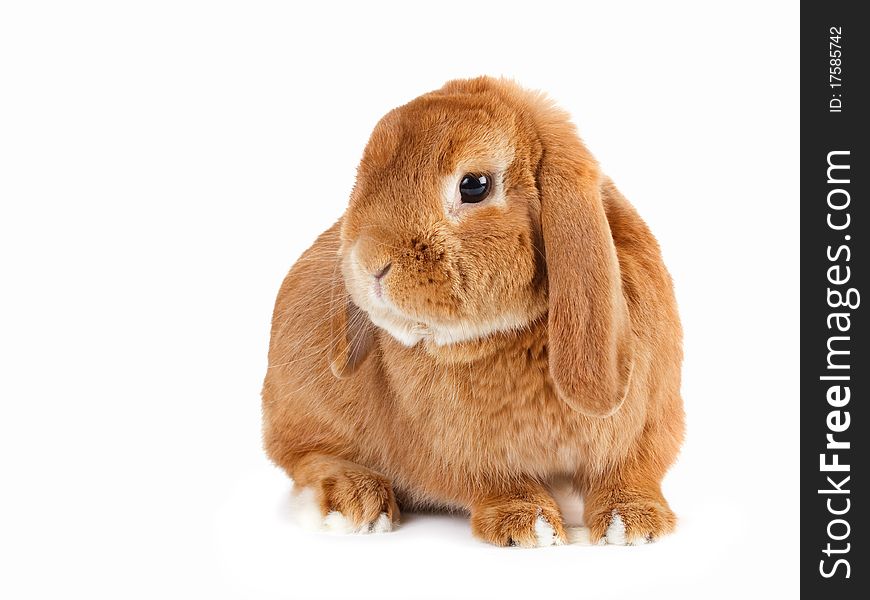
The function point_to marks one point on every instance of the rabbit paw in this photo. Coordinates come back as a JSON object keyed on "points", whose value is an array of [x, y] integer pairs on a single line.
{"points": [[629, 520], [336, 522], [518, 523], [351, 502]]}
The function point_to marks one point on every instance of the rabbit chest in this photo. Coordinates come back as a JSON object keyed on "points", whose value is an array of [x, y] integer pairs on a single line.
{"points": [[490, 408]]}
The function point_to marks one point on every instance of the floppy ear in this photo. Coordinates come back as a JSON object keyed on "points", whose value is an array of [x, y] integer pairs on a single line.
{"points": [[351, 331], [589, 325]]}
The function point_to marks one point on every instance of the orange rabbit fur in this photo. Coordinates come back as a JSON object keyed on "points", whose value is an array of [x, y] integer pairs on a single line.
{"points": [[428, 352]]}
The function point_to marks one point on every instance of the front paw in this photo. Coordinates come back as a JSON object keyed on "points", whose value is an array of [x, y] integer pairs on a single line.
{"points": [[519, 522], [350, 501], [628, 518]]}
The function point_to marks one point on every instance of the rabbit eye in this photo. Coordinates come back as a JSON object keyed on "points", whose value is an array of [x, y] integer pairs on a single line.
{"points": [[474, 188]]}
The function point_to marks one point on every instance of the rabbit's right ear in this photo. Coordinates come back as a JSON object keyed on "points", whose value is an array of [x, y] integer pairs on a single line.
{"points": [[351, 331]]}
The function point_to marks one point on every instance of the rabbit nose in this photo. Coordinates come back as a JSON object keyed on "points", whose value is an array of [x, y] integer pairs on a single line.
{"points": [[380, 274]]}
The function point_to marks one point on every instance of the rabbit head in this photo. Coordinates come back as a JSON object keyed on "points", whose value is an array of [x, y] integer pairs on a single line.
{"points": [[478, 210]]}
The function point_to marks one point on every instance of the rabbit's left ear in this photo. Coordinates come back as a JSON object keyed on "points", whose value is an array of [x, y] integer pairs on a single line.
{"points": [[351, 332], [589, 325]]}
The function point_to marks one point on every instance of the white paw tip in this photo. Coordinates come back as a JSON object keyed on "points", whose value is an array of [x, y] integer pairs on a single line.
{"points": [[382, 524], [615, 533], [307, 512], [335, 522], [545, 534]]}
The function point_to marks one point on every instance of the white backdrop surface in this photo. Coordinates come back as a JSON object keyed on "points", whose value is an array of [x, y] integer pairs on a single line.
{"points": [[162, 165]]}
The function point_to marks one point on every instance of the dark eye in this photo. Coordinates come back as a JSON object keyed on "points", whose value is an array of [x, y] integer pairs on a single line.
{"points": [[473, 188]]}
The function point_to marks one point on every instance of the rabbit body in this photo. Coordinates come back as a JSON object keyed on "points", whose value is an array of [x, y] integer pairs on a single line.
{"points": [[481, 409]]}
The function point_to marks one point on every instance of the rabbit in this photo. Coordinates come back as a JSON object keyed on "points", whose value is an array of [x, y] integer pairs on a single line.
{"points": [[489, 315]]}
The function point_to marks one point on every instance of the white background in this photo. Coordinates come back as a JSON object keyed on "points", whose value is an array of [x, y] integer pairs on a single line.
{"points": [[162, 164]]}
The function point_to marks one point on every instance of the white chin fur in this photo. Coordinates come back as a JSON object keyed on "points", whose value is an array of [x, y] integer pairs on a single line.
{"points": [[306, 510], [464, 331], [405, 333], [409, 334]]}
